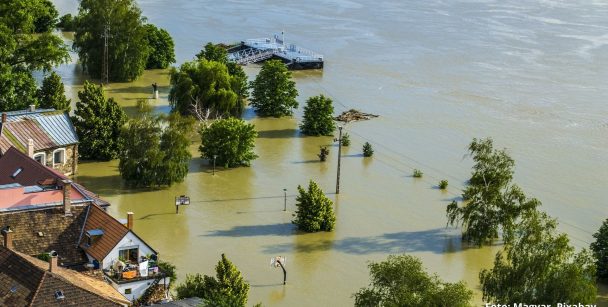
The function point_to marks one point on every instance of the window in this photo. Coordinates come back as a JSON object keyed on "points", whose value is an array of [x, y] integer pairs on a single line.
{"points": [[40, 158], [59, 156], [17, 172], [129, 255], [128, 291]]}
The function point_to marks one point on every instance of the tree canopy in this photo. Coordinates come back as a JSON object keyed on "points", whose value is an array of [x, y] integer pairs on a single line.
{"points": [[538, 266], [273, 91], [228, 288], [205, 89], [161, 47], [98, 122], [600, 251], [315, 211], [318, 116], [492, 202], [218, 53], [231, 140], [128, 48], [155, 150], [401, 281], [52, 94], [24, 50]]}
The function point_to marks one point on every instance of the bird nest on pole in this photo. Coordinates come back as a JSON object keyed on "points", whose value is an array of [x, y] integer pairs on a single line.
{"points": [[354, 115]]}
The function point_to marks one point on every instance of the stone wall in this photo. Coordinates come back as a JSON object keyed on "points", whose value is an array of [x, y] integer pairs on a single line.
{"points": [[70, 166]]}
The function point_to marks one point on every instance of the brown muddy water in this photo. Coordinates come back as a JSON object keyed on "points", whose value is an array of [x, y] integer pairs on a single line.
{"points": [[531, 75]]}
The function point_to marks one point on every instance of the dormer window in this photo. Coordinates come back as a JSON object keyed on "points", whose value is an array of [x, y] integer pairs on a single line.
{"points": [[40, 158], [93, 236], [59, 156]]}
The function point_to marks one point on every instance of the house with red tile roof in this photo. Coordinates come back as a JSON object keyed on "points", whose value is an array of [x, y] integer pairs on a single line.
{"points": [[46, 135], [43, 212]]}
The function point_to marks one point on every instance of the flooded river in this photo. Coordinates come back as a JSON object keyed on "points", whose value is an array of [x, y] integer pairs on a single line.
{"points": [[531, 75]]}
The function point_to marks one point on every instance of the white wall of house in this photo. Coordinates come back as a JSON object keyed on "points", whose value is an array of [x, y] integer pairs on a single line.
{"points": [[128, 241], [137, 288]]}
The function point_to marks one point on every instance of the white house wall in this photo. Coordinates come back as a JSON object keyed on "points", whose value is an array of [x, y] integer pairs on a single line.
{"points": [[129, 240], [138, 288]]}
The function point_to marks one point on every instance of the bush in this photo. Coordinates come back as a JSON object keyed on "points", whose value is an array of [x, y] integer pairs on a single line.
{"points": [[315, 211], [169, 269], [600, 251], [273, 91], [417, 173], [67, 23], [345, 139], [318, 116], [443, 184], [228, 288], [324, 152], [367, 150], [161, 47], [232, 140]]}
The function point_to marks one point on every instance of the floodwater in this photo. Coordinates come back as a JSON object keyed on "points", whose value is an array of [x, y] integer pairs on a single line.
{"points": [[531, 74]]}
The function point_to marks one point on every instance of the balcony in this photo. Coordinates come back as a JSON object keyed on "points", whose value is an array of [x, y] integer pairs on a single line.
{"points": [[132, 273]]}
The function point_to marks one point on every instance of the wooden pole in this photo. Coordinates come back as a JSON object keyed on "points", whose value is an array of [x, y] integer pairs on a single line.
{"points": [[284, 272], [339, 158]]}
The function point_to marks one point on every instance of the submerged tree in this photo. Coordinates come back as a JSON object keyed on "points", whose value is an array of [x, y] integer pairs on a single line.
{"points": [[228, 288], [274, 93], [318, 116], [230, 140], [52, 94], [23, 51], [161, 47], [401, 281], [205, 89], [492, 202], [128, 48], [538, 266], [315, 211], [218, 53], [600, 251], [98, 122], [155, 151]]}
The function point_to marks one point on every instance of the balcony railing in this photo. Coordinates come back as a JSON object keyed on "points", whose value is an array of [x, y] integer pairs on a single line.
{"points": [[133, 274]]}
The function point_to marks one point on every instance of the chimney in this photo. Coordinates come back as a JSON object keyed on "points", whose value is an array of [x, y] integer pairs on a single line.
{"points": [[53, 262], [30, 148], [7, 234], [4, 118], [130, 220], [32, 107], [67, 201]]}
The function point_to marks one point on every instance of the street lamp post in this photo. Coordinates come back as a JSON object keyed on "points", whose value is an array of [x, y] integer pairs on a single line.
{"points": [[285, 200], [339, 158], [214, 157]]}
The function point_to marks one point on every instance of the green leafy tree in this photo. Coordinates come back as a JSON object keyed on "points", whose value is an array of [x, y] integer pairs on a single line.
{"points": [[161, 47], [367, 150], [600, 251], [67, 23], [218, 53], [315, 211], [128, 48], [23, 51], [273, 91], [46, 18], [204, 88], [492, 202], [318, 116], [52, 94], [169, 269], [98, 122], [402, 281], [231, 140], [154, 153], [538, 266], [228, 288]]}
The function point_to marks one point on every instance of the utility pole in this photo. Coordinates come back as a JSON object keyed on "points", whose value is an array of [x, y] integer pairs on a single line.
{"points": [[285, 200], [339, 158], [105, 63]]}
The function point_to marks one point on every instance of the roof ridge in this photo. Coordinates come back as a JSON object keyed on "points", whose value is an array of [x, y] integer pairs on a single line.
{"points": [[39, 283]]}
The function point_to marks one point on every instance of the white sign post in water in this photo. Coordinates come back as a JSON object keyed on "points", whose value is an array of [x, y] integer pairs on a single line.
{"points": [[279, 261]]}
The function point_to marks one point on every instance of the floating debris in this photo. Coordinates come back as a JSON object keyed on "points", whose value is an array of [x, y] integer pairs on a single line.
{"points": [[354, 115]]}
